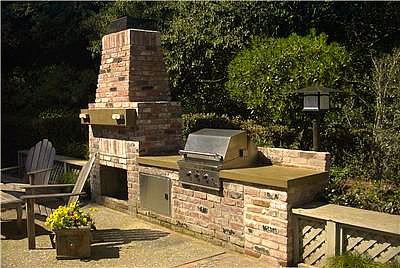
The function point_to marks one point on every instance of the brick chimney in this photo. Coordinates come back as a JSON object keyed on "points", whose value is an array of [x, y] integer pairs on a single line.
{"points": [[132, 70], [132, 114]]}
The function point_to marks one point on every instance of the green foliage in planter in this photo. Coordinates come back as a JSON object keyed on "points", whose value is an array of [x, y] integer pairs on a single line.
{"points": [[266, 76], [66, 217], [349, 260]]}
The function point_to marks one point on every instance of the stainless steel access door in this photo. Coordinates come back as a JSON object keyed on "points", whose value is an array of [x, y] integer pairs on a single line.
{"points": [[155, 193]]}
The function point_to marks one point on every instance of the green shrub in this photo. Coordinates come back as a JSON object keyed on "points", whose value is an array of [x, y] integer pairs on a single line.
{"points": [[67, 178], [64, 130], [385, 84], [359, 192], [194, 122], [266, 76], [70, 178], [273, 135], [76, 149], [349, 260]]}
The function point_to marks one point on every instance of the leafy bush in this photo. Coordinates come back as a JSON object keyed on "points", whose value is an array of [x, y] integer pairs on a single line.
{"points": [[348, 260], [67, 178], [266, 76], [386, 87], [76, 149], [70, 178], [194, 122], [274, 135], [347, 190], [64, 130]]}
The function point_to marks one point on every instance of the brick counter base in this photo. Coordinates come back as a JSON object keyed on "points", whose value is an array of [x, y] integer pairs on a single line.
{"points": [[248, 218]]}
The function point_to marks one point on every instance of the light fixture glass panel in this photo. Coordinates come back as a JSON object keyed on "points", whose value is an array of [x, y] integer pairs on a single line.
{"points": [[324, 102], [310, 103]]}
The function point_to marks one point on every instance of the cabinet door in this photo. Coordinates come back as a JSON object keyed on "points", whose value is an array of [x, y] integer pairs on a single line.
{"points": [[155, 193]]}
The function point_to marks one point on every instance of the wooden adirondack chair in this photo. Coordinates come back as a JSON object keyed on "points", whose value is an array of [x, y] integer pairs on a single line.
{"points": [[38, 164], [41, 193]]}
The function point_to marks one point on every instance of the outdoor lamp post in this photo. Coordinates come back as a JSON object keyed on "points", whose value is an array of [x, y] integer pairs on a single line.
{"points": [[316, 101]]}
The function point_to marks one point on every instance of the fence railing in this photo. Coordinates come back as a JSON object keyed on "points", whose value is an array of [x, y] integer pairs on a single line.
{"points": [[322, 231], [62, 164]]}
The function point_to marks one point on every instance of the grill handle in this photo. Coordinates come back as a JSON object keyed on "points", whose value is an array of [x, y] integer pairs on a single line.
{"points": [[215, 155]]}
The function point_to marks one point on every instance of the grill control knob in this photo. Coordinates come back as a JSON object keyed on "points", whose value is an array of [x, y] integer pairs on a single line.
{"points": [[189, 173], [205, 176]]}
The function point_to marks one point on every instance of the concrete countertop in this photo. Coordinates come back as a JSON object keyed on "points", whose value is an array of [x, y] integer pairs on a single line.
{"points": [[168, 161], [274, 175]]}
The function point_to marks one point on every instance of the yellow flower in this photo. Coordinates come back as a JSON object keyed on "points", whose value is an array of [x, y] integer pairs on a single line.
{"points": [[68, 217]]}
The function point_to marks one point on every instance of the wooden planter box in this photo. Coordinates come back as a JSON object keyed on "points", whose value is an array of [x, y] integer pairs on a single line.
{"points": [[73, 243]]}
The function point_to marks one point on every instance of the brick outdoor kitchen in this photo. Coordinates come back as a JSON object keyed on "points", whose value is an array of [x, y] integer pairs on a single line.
{"points": [[252, 212]]}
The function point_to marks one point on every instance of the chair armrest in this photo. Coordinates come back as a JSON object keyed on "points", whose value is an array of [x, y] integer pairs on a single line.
{"points": [[47, 196], [38, 171], [48, 186], [9, 168]]}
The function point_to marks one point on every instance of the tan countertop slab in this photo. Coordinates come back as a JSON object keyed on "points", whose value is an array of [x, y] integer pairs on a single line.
{"points": [[352, 216], [168, 161], [275, 175]]}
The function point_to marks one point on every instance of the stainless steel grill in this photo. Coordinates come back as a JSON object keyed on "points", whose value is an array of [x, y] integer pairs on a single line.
{"points": [[207, 151]]}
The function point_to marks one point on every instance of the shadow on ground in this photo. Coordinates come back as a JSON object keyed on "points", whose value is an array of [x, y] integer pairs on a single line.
{"points": [[106, 243], [10, 232]]}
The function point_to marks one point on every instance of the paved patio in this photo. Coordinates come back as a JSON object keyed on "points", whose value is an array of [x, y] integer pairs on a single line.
{"points": [[120, 241]]}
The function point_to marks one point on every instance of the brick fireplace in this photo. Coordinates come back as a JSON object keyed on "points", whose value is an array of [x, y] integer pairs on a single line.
{"points": [[132, 115]]}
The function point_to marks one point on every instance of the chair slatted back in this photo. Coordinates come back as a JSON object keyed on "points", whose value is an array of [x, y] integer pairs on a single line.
{"points": [[40, 156], [83, 175]]}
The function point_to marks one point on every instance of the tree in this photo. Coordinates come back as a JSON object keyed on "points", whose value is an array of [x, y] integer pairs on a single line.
{"points": [[266, 76], [45, 65], [386, 128]]}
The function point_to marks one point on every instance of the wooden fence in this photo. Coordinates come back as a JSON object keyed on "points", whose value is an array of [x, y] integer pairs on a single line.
{"points": [[322, 231], [62, 164]]}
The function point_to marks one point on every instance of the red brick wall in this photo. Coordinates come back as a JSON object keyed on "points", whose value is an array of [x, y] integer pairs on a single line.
{"points": [[297, 158]]}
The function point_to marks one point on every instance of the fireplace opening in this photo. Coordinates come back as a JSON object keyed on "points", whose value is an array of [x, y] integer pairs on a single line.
{"points": [[114, 182]]}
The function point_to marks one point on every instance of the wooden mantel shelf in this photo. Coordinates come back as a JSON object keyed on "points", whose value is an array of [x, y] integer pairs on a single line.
{"points": [[110, 117]]}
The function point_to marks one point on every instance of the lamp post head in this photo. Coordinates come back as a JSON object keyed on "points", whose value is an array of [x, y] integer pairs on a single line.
{"points": [[315, 98]]}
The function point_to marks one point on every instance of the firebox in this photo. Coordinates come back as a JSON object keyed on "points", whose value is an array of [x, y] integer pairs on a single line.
{"points": [[113, 182]]}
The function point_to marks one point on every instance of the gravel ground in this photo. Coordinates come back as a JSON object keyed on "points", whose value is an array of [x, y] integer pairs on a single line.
{"points": [[121, 241]]}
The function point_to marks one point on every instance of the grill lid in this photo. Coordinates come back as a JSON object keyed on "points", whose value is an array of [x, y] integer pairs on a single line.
{"points": [[217, 144]]}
